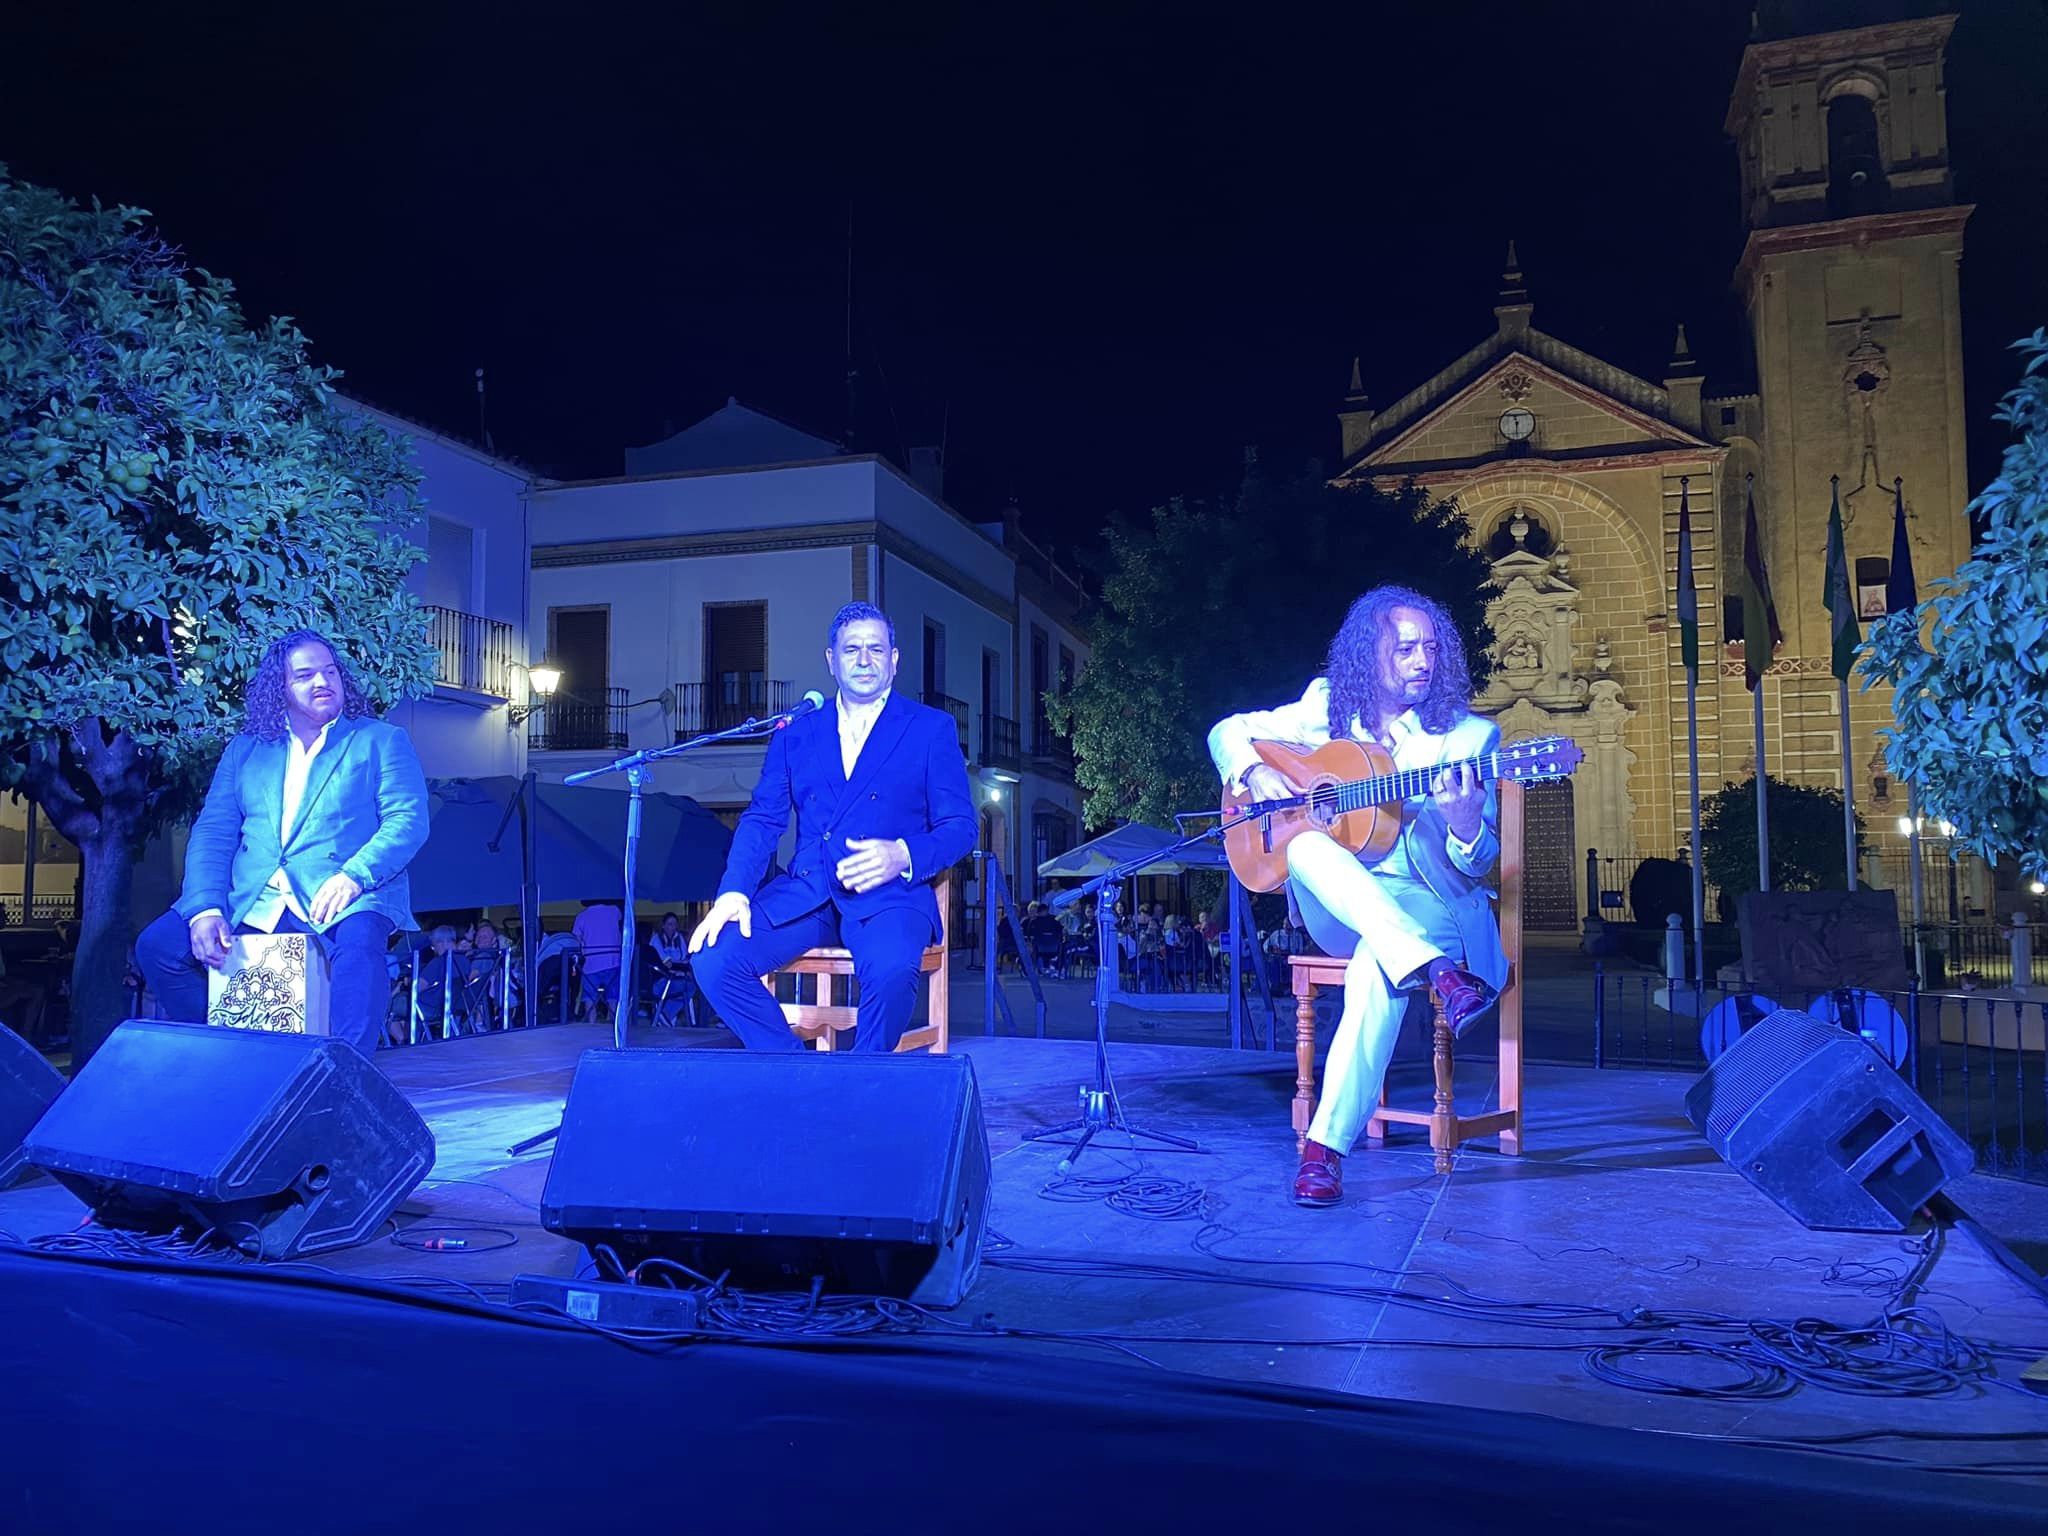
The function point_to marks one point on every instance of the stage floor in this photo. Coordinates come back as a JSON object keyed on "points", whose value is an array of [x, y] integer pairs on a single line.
{"points": [[1616, 1204]]}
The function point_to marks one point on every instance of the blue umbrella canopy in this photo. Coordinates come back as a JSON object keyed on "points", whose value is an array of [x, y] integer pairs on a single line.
{"points": [[581, 846], [1133, 840]]}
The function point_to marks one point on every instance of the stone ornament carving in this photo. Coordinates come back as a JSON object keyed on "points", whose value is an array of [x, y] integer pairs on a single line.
{"points": [[1533, 619], [1516, 386]]}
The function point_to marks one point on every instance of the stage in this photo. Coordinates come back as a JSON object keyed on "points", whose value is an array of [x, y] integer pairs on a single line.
{"points": [[1291, 1336]]}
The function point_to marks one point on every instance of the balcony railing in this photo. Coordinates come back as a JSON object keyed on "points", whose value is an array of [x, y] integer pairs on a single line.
{"points": [[999, 742], [566, 724], [473, 653], [704, 707], [957, 708], [1051, 751]]}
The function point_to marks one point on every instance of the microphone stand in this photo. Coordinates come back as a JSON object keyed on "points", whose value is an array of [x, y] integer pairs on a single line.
{"points": [[634, 765], [1101, 1110]]}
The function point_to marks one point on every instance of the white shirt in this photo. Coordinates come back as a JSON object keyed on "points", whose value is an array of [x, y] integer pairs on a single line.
{"points": [[855, 722], [278, 895]]}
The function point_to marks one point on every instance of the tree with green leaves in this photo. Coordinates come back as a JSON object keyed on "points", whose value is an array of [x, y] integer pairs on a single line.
{"points": [[1806, 838], [1209, 609], [177, 490], [1970, 701]]}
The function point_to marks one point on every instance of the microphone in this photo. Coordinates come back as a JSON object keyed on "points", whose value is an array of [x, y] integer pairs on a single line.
{"points": [[810, 703]]}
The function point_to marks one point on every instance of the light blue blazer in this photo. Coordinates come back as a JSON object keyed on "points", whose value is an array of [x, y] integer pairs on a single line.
{"points": [[364, 814]]}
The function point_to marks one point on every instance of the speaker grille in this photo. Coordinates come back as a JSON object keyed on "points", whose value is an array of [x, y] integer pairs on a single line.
{"points": [[1764, 1057]]}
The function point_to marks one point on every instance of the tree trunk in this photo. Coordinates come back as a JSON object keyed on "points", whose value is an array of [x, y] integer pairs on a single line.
{"points": [[100, 998], [94, 787]]}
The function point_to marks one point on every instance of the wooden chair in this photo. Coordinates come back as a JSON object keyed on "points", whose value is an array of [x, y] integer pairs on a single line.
{"points": [[820, 1022], [1447, 1128]]}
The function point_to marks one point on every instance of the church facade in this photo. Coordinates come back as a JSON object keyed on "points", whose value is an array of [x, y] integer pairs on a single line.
{"points": [[1571, 471]]}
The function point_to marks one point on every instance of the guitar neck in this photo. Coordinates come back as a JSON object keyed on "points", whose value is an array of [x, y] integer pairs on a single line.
{"points": [[1405, 783]]}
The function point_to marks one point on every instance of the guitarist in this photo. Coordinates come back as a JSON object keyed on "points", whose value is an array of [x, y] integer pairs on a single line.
{"points": [[1420, 914]]}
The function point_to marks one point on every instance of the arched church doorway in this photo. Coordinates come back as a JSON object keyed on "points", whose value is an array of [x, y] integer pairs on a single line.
{"points": [[1550, 901]]}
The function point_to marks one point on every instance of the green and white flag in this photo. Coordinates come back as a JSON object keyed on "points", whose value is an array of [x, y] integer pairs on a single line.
{"points": [[1841, 595]]}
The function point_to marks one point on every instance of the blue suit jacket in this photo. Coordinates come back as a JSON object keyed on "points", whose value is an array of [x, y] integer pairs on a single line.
{"points": [[910, 781], [364, 813]]}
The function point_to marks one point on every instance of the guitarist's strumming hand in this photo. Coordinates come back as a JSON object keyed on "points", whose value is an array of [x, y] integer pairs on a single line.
{"points": [[1265, 782], [1461, 796]]}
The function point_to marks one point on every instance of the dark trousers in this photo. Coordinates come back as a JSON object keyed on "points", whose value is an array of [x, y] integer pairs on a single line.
{"points": [[358, 981], [885, 948]]}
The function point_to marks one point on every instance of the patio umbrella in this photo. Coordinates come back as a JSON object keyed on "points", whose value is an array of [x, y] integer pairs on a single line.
{"points": [[1133, 840]]}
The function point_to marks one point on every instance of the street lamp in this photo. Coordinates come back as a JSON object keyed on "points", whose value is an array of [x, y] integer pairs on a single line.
{"points": [[542, 679]]}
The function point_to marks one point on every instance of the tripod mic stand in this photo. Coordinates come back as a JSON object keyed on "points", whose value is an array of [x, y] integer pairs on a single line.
{"points": [[634, 766], [1101, 1110]]}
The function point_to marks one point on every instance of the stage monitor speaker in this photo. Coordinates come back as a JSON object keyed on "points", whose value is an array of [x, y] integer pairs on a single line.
{"points": [[284, 1144], [1820, 1122], [29, 1085], [870, 1171]]}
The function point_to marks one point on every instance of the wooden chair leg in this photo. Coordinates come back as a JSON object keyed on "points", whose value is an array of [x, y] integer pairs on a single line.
{"points": [[828, 997], [1443, 1125], [938, 1007], [1304, 1063]]}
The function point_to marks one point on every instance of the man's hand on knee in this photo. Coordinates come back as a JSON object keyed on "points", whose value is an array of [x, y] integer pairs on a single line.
{"points": [[210, 936], [732, 907]]}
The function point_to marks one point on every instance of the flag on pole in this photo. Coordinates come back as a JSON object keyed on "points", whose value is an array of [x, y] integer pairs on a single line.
{"points": [[1901, 593], [1841, 595], [1688, 594], [1761, 635]]}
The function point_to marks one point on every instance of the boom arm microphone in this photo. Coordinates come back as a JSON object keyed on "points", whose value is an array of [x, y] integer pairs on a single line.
{"points": [[808, 704]]}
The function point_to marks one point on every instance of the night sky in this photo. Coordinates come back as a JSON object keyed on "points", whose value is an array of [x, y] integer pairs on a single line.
{"points": [[1097, 250]]}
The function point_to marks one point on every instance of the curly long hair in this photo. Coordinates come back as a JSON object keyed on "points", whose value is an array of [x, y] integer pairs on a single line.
{"points": [[264, 698], [1358, 659]]}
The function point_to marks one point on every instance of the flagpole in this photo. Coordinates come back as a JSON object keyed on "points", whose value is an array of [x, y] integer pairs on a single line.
{"points": [[1699, 863], [1848, 788], [1763, 810], [1919, 888], [1689, 650], [1842, 642]]}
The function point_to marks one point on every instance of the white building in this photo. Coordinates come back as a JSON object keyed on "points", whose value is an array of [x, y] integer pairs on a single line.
{"points": [[474, 584], [695, 591]]}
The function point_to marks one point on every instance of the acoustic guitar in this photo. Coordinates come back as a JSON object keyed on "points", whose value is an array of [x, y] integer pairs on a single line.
{"points": [[1353, 791]]}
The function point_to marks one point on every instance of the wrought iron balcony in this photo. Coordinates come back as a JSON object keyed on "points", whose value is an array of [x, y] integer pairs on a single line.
{"points": [[999, 742], [473, 653], [957, 708], [567, 723], [1049, 751], [705, 707]]}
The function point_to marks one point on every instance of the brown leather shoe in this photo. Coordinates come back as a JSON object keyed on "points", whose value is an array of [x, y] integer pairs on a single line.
{"points": [[1320, 1179], [1464, 996]]}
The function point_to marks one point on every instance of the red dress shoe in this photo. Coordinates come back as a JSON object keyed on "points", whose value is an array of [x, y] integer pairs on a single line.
{"points": [[1320, 1179], [1463, 995]]}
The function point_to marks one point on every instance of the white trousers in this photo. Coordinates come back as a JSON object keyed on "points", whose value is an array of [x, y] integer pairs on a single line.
{"points": [[1395, 927]]}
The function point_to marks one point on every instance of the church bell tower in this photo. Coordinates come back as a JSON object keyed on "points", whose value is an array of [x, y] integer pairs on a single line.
{"points": [[1850, 278]]}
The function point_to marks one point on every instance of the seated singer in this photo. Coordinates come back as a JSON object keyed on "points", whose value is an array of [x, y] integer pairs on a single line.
{"points": [[314, 813], [879, 788], [1420, 915]]}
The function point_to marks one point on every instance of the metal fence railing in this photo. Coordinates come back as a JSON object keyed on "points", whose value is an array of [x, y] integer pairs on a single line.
{"points": [[1980, 1059], [703, 707], [957, 708], [1051, 749], [566, 724], [999, 742], [471, 652]]}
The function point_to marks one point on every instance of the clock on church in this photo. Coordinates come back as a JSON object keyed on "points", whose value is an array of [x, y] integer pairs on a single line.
{"points": [[1516, 423]]}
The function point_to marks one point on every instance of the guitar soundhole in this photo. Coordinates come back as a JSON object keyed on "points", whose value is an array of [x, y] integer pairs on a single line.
{"points": [[1322, 801]]}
